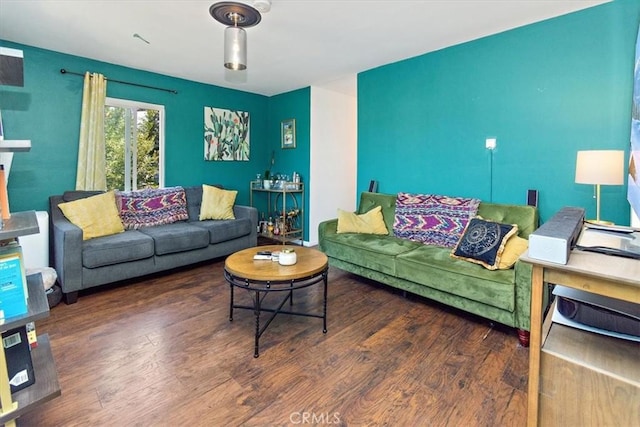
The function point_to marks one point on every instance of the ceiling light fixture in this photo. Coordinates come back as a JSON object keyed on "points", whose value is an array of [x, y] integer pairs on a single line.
{"points": [[236, 16]]}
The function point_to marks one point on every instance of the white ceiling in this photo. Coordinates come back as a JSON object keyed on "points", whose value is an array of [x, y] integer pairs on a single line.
{"points": [[298, 43]]}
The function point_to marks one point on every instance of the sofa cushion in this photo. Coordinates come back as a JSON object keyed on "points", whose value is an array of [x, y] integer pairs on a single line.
{"points": [[176, 237], [525, 216], [483, 242], [515, 247], [96, 215], [370, 222], [70, 196], [224, 230], [433, 219], [368, 250], [387, 203], [117, 248], [194, 200], [217, 203], [432, 266], [152, 206]]}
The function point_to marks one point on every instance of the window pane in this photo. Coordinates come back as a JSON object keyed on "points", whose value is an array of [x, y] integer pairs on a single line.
{"points": [[133, 144], [148, 150], [114, 130]]}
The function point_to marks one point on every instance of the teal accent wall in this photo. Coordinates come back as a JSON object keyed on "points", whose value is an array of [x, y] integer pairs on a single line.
{"points": [[47, 111], [544, 91], [292, 105]]}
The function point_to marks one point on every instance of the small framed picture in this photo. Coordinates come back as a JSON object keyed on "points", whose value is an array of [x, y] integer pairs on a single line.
{"points": [[288, 133]]}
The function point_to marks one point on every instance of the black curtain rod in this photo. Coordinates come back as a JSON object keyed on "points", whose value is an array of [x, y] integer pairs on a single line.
{"points": [[63, 71]]}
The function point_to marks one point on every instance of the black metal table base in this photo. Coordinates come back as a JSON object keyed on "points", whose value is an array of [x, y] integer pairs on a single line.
{"points": [[263, 288]]}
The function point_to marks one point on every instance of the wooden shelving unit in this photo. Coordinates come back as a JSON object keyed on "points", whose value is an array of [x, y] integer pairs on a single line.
{"points": [[289, 196], [14, 145], [578, 377], [46, 386], [19, 224], [581, 366]]}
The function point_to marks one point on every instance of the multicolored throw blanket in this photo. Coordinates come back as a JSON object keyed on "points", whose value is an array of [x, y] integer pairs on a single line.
{"points": [[151, 207], [433, 219]]}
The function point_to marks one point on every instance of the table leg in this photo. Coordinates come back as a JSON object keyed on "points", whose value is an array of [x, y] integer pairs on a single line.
{"points": [[325, 279], [231, 303], [537, 284], [291, 295], [257, 303], [257, 311]]}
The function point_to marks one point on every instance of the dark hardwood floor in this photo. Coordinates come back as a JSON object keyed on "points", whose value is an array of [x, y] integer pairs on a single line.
{"points": [[162, 351]]}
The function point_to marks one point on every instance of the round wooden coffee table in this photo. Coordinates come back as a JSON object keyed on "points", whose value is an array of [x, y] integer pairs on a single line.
{"points": [[262, 277]]}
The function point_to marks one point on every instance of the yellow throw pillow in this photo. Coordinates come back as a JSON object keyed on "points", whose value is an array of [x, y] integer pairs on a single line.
{"points": [[96, 215], [512, 250], [370, 222], [217, 203]]}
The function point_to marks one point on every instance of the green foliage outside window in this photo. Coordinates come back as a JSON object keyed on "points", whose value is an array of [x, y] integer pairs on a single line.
{"points": [[148, 148]]}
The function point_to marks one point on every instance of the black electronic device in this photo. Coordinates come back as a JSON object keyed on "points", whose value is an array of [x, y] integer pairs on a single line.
{"points": [[373, 186], [597, 313], [17, 351], [532, 198]]}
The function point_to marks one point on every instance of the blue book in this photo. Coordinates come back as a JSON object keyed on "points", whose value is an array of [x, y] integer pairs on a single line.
{"points": [[13, 300]]}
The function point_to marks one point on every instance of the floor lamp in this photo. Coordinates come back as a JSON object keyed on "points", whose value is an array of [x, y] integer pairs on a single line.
{"points": [[600, 167]]}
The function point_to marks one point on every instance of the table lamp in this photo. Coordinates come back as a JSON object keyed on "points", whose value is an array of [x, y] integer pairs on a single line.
{"points": [[600, 167]]}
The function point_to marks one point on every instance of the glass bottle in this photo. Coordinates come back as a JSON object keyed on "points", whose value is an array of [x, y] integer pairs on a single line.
{"points": [[270, 227]]}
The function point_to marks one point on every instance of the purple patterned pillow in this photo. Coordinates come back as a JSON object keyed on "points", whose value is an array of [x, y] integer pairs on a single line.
{"points": [[431, 219], [149, 207]]}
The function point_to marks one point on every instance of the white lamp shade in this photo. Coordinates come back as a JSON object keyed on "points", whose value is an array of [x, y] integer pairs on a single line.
{"points": [[604, 167], [235, 48]]}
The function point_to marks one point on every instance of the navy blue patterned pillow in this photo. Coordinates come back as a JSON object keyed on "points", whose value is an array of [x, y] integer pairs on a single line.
{"points": [[483, 242]]}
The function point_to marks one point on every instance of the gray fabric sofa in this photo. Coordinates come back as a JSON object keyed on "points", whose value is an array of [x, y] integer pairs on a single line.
{"points": [[134, 253]]}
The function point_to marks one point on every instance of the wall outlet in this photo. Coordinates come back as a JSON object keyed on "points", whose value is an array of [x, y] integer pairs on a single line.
{"points": [[490, 143]]}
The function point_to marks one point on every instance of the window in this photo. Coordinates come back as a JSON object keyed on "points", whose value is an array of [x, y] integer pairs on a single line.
{"points": [[134, 139]]}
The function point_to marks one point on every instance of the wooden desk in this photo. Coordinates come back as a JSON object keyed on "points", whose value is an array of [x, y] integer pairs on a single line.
{"points": [[558, 395]]}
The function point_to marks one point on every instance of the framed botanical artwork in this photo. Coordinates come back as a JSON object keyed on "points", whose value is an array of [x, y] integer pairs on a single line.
{"points": [[226, 135], [288, 133]]}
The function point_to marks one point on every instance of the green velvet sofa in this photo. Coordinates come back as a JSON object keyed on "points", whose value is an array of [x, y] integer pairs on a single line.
{"points": [[503, 296]]}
